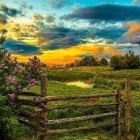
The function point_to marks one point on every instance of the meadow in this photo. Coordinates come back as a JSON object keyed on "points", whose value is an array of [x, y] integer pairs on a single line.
{"points": [[103, 80], [87, 73]]}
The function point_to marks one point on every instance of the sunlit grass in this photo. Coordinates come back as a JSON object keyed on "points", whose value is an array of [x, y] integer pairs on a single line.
{"points": [[87, 73], [57, 86]]}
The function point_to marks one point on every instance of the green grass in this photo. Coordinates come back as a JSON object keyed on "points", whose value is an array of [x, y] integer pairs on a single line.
{"points": [[106, 81], [59, 88], [87, 73]]}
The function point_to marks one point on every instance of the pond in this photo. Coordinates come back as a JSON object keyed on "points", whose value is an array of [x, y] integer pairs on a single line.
{"points": [[80, 84]]}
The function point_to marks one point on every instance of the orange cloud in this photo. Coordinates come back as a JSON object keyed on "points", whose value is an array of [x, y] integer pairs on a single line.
{"points": [[29, 33], [133, 28], [68, 55]]}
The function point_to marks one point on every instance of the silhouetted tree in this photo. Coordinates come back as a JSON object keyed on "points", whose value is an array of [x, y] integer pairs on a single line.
{"points": [[117, 62], [128, 61], [88, 61], [132, 61], [103, 62]]}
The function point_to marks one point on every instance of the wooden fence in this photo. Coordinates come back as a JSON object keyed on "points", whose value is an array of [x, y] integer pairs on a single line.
{"points": [[39, 118]]}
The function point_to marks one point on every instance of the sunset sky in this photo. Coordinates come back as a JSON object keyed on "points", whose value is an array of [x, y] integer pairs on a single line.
{"points": [[61, 31]]}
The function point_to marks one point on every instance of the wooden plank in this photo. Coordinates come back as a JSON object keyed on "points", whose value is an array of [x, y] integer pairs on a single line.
{"points": [[27, 102], [62, 131], [24, 93], [78, 106], [118, 117], [128, 107], [31, 103], [43, 114], [69, 97], [31, 116], [57, 98], [128, 116], [82, 118], [34, 104], [39, 110]]}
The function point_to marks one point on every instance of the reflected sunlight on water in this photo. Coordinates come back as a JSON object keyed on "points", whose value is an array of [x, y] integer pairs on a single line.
{"points": [[79, 84]]}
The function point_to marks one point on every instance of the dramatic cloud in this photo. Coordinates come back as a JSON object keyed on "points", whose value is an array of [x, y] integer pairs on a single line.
{"points": [[37, 18], [110, 33], [24, 5], [125, 47], [21, 48], [50, 18], [133, 27], [60, 37], [52, 37], [133, 34], [9, 11], [106, 12], [57, 3], [134, 39], [22, 32], [101, 30], [67, 55]]}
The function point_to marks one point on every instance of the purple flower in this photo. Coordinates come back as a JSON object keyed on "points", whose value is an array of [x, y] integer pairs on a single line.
{"points": [[18, 89], [10, 79], [32, 83], [12, 97]]}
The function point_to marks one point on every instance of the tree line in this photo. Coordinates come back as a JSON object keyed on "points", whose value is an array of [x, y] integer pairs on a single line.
{"points": [[127, 61]]}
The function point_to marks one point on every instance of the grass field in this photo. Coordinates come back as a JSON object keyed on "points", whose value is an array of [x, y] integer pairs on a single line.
{"points": [[104, 80], [87, 73], [59, 88]]}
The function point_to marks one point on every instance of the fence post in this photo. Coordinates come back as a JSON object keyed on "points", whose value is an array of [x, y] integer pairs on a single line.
{"points": [[117, 117], [45, 114], [128, 117]]}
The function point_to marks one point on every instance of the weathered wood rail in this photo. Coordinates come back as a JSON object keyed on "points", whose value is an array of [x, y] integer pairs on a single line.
{"points": [[39, 118]]}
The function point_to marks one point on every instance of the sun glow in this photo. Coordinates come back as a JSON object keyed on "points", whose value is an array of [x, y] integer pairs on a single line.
{"points": [[68, 55]]}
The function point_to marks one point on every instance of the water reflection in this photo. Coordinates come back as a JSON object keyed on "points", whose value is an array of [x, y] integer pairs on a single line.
{"points": [[80, 84]]}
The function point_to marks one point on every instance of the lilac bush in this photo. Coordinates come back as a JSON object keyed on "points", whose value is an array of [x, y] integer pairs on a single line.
{"points": [[16, 76]]}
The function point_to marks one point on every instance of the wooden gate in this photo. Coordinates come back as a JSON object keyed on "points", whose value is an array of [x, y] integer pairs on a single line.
{"points": [[38, 119]]}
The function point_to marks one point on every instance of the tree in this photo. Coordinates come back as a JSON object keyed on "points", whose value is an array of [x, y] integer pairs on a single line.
{"points": [[103, 62], [128, 61], [88, 61], [117, 62], [132, 61]]}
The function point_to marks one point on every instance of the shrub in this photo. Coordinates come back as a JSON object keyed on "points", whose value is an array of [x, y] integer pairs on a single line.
{"points": [[88, 61], [14, 77], [131, 60], [117, 62], [9, 126], [103, 62], [84, 61], [128, 61]]}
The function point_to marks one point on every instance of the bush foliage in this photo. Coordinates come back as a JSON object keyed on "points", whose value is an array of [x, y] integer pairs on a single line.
{"points": [[89, 61], [128, 61], [14, 78]]}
